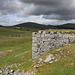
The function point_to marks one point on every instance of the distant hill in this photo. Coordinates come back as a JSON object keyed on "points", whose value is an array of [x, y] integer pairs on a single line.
{"points": [[41, 26], [1, 26], [67, 26], [34, 25]]}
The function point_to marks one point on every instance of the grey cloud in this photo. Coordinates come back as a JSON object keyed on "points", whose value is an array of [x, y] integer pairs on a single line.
{"points": [[50, 9], [10, 7], [63, 8]]}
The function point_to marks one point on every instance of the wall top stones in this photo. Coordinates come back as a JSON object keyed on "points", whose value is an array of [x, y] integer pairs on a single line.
{"points": [[53, 32]]}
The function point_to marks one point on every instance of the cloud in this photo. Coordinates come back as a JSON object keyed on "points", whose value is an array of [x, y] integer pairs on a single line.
{"points": [[10, 7], [7, 21], [62, 9], [50, 11]]}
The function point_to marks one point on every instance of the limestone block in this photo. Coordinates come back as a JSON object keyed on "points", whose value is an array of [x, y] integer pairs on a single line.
{"points": [[47, 35], [34, 34], [34, 44], [51, 32], [57, 45], [34, 39], [42, 35], [66, 40], [49, 39], [39, 39], [52, 36], [34, 48], [60, 35], [38, 35], [44, 32], [65, 37], [72, 39], [44, 41], [40, 32]]}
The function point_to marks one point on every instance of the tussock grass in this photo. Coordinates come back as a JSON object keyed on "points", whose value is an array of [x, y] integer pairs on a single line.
{"points": [[7, 31], [22, 53], [65, 66], [21, 50]]}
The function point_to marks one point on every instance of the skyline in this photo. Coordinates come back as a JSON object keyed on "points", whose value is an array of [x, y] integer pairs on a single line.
{"points": [[48, 12]]}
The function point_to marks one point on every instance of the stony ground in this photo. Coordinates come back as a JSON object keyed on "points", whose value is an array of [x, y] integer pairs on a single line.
{"points": [[16, 58]]}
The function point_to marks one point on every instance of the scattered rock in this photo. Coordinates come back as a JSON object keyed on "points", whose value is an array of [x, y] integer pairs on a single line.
{"points": [[6, 73], [1, 52], [30, 60], [56, 55], [16, 65], [49, 58], [56, 60], [36, 66], [57, 50], [51, 62], [34, 61], [12, 71], [9, 50], [68, 51], [71, 63], [40, 60], [0, 72]]}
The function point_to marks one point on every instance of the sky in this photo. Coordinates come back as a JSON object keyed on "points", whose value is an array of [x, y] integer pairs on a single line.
{"points": [[48, 12]]}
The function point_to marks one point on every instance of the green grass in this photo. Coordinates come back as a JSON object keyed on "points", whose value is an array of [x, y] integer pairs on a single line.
{"points": [[73, 30], [6, 31], [22, 52], [21, 47], [61, 67]]}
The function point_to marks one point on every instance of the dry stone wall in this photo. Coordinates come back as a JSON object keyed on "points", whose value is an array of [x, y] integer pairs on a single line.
{"points": [[44, 41]]}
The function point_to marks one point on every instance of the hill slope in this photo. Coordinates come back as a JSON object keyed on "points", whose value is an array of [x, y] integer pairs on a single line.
{"points": [[17, 51], [67, 26], [40, 26], [1, 26], [34, 25], [37, 26]]}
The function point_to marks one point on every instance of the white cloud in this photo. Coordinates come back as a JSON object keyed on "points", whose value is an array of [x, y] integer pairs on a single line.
{"points": [[8, 20]]}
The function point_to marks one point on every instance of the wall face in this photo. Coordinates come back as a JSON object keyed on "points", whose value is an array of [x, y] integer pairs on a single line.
{"points": [[44, 41]]}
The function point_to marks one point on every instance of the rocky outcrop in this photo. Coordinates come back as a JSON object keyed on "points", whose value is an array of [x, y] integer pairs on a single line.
{"points": [[44, 41]]}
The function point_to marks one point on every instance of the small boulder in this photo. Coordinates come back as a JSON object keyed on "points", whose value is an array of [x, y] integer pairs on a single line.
{"points": [[40, 60], [12, 71], [51, 62], [49, 58], [36, 66], [56, 60], [0, 72]]}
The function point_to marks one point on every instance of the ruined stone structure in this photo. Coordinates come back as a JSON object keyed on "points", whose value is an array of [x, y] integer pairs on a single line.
{"points": [[44, 41]]}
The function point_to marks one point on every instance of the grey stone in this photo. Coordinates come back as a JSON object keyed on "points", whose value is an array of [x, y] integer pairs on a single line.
{"points": [[48, 58], [36, 66], [51, 62], [12, 71], [1, 52], [0, 72], [56, 60], [44, 41]]}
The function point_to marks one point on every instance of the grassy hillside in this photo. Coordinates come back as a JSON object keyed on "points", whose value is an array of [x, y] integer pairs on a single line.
{"points": [[64, 66], [18, 50], [21, 50], [6, 31], [41, 26], [35, 25], [67, 26]]}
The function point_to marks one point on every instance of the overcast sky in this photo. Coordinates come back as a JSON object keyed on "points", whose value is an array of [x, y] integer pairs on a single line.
{"points": [[54, 12]]}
